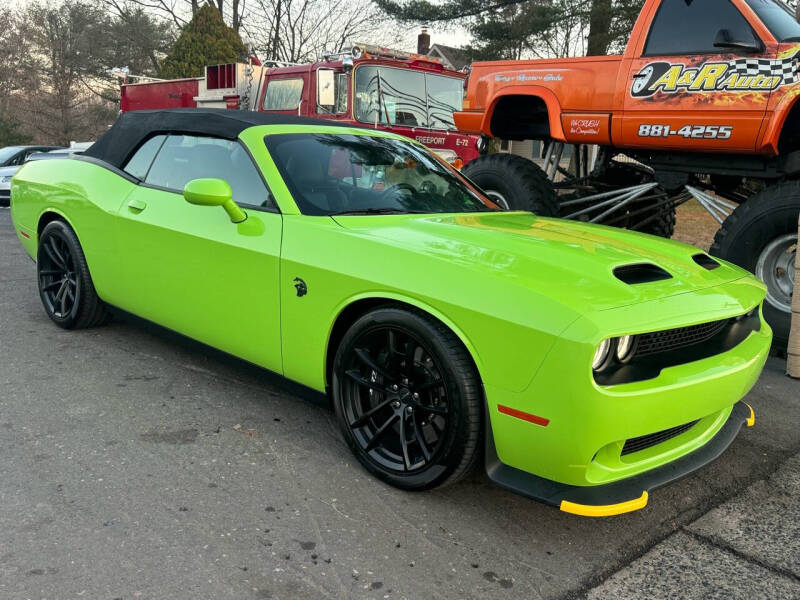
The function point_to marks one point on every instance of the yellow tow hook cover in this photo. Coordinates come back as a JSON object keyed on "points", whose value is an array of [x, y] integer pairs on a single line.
{"points": [[751, 420]]}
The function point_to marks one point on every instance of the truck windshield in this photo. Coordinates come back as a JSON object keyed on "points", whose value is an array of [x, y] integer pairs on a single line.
{"points": [[335, 174], [392, 96], [778, 18]]}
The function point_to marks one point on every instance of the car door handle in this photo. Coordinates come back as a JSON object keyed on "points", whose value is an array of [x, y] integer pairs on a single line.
{"points": [[137, 205]]}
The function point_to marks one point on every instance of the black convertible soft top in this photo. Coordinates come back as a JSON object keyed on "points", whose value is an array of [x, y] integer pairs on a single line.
{"points": [[132, 129]]}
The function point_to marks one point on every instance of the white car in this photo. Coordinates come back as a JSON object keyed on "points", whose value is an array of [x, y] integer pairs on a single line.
{"points": [[74, 148], [11, 158], [5, 184]]}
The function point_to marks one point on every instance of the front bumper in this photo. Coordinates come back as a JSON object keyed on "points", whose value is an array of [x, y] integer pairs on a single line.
{"points": [[567, 430], [620, 496]]}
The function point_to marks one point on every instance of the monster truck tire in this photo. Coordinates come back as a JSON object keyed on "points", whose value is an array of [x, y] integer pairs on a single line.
{"points": [[514, 183], [663, 225], [746, 237]]}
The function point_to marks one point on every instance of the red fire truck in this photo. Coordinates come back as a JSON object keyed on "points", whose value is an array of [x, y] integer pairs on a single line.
{"points": [[409, 94]]}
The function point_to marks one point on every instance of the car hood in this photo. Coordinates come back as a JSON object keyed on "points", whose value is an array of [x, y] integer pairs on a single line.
{"points": [[563, 260], [5, 171]]}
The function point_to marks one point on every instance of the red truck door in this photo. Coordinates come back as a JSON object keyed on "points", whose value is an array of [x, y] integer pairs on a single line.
{"points": [[701, 79], [286, 93]]}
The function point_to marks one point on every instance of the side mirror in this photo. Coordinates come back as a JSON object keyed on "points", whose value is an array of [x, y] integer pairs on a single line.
{"points": [[326, 95], [213, 192], [724, 40]]}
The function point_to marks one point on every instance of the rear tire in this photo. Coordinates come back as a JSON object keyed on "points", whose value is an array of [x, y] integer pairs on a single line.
{"points": [[514, 183], [65, 285], [761, 236], [407, 398]]}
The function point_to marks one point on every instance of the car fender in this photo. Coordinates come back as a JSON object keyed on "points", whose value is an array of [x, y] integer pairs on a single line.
{"points": [[412, 301], [56, 211]]}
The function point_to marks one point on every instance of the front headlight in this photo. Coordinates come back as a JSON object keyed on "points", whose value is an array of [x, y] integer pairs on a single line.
{"points": [[624, 347], [601, 354]]}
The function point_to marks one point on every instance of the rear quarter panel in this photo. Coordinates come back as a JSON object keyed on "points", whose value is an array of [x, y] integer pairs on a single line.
{"points": [[85, 195]]}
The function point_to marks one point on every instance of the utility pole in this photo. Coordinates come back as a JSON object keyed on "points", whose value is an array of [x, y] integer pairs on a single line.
{"points": [[793, 351]]}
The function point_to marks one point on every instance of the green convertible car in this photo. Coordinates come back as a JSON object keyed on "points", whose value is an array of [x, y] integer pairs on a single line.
{"points": [[587, 364]]}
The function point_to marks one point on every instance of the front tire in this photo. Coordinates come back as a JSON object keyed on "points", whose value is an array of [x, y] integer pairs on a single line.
{"points": [[407, 398], [65, 285], [513, 183], [761, 236]]}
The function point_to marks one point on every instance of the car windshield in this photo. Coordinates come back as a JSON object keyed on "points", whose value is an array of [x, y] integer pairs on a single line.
{"points": [[8, 153], [331, 174], [778, 18]]}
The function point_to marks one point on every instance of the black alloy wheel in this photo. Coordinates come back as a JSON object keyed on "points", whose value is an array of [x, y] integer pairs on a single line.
{"points": [[58, 278], [407, 399], [65, 286]]}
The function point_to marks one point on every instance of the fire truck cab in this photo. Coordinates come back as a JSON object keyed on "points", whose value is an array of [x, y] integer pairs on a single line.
{"points": [[369, 86]]}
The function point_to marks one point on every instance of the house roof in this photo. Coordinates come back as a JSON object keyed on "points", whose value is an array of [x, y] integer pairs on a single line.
{"points": [[457, 57]]}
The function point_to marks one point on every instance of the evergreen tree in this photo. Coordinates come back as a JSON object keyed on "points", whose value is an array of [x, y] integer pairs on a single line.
{"points": [[512, 29], [205, 40]]}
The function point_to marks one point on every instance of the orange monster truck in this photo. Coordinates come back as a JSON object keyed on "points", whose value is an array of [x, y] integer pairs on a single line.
{"points": [[702, 103]]}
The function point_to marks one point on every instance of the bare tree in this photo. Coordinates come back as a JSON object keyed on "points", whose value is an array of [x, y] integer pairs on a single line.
{"points": [[13, 49], [299, 30], [181, 11], [141, 40], [65, 52], [14, 78], [66, 43]]}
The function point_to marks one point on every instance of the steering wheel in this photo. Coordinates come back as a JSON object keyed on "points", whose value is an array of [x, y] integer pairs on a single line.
{"points": [[427, 187], [399, 186]]}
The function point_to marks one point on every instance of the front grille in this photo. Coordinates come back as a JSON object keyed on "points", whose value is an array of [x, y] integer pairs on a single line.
{"points": [[672, 339], [647, 441]]}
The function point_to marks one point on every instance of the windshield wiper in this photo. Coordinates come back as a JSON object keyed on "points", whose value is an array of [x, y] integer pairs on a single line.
{"points": [[379, 211]]}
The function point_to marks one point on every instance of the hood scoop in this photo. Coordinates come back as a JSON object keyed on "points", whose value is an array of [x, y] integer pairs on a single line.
{"points": [[640, 273], [705, 261]]}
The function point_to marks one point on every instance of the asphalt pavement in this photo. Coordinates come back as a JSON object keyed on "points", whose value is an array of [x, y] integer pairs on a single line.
{"points": [[137, 464]]}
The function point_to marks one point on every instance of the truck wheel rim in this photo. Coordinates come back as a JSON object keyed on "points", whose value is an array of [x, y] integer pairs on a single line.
{"points": [[395, 400], [775, 267], [498, 199]]}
